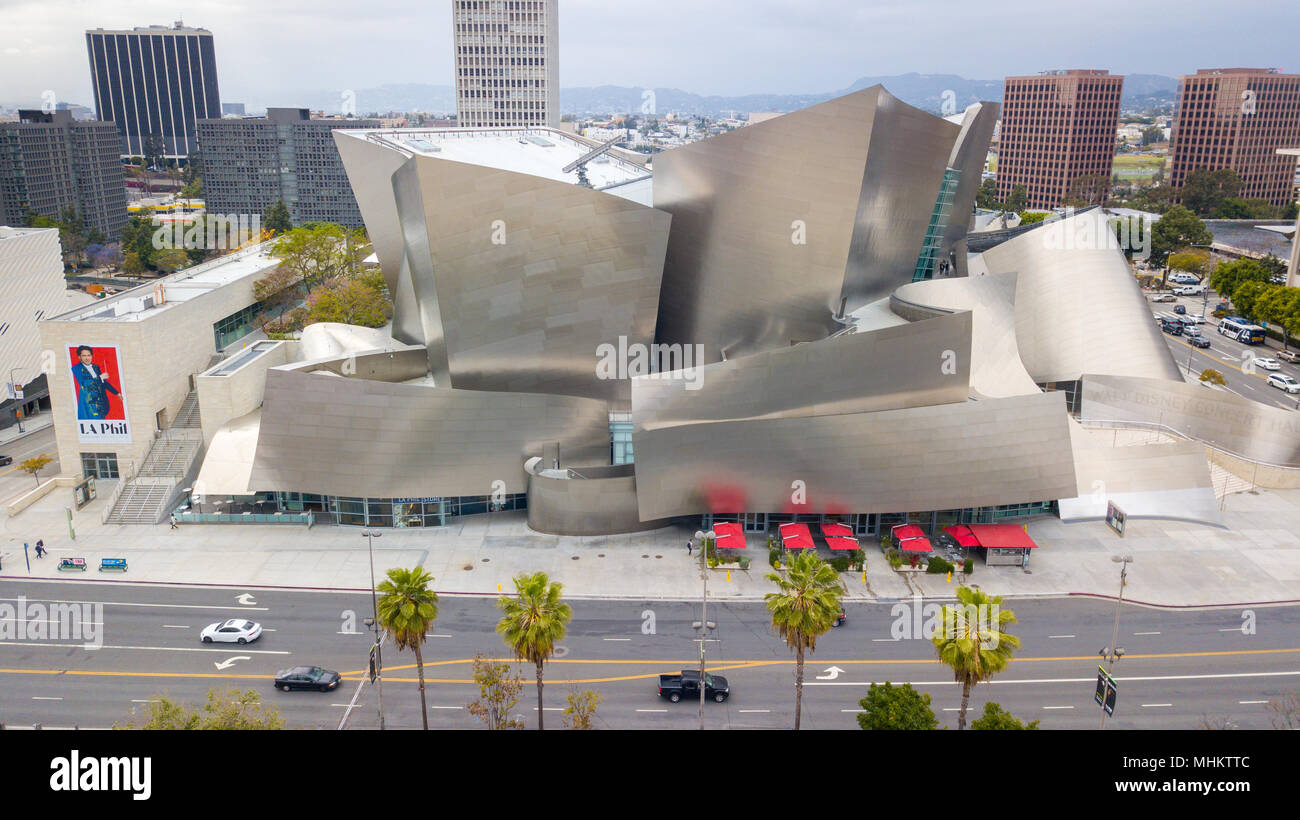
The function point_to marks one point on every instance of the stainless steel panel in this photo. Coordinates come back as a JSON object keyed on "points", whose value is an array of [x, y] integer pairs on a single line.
{"points": [[600, 502], [860, 173], [1225, 420], [968, 156], [922, 363], [352, 437], [981, 453]]}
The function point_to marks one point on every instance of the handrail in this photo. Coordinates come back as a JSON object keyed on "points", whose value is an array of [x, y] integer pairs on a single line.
{"points": [[1151, 425]]}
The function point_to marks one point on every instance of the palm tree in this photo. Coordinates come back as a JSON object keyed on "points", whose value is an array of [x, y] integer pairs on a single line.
{"points": [[407, 610], [804, 609], [534, 622], [973, 642]]}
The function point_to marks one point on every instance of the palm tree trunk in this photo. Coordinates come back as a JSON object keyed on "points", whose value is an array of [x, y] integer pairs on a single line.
{"points": [[424, 707], [539, 698], [798, 686], [965, 701]]}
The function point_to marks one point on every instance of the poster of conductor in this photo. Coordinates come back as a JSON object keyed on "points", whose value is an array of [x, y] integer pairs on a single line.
{"points": [[101, 405]]}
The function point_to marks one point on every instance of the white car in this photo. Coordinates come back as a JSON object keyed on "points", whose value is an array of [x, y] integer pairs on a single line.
{"points": [[235, 630], [1268, 364], [1284, 382], [1193, 318], [1163, 297]]}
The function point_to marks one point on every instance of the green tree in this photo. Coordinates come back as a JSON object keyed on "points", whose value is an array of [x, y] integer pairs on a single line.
{"points": [[1211, 376], [1178, 228], [34, 465], [1227, 277], [1030, 217], [1153, 134], [226, 709], [1193, 261], [987, 195], [407, 610], [153, 151], [1248, 295], [353, 300], [580, 708], [498, 693], [137, 237], [276, 218], [804, 608], [995, 718], [132, 264], [974, 642], [320, 252], [533, 622], [896, 707], [170, 261], [1204, 190], [1280, 305], [1018, 199]]}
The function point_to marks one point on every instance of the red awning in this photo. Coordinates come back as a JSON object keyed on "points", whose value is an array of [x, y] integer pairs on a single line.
{"points": [[1002, 536], [921, 544], [831, 529], [963, 535], [731, 536], [796, 537], [837, 543], [901, 531]]}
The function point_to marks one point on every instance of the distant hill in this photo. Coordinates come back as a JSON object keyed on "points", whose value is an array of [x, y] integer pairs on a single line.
{"points": [[925, 91]]}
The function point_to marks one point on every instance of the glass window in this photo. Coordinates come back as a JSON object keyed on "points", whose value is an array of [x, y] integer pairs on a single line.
{"points": [[99, 465]]}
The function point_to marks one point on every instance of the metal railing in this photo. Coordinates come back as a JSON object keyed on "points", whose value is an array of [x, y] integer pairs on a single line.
{"points": [[1173, 431]]}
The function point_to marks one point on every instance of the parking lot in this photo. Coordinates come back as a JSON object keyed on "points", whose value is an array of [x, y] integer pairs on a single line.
{"points": [[1228, 356]]}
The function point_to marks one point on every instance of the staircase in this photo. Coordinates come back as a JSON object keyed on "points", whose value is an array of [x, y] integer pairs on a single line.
{"points": [[145, 497]]}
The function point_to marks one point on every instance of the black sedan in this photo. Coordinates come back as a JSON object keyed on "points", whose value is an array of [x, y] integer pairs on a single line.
{"points": [[307, 677], [1199, 341], [5, 461]]}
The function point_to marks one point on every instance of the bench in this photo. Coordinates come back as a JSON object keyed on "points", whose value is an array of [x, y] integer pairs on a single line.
{"points": [[72, 563], [112, 563]]}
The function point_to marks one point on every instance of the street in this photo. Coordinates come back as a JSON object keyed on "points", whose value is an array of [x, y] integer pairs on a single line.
{"points": [[1180, 668], [12, 479]]}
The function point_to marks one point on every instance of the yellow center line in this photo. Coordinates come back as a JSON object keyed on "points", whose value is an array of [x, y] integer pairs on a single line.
{"points": [[17, 467], [658, 664]]}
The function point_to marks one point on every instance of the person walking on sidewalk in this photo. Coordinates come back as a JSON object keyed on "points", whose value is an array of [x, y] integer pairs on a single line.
{"points": [[689, 545], [40, 548]]}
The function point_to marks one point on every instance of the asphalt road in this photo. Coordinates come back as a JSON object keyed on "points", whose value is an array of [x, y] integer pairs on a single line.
{"points": [[12, 479], [1228, 356], [1180, 668]]}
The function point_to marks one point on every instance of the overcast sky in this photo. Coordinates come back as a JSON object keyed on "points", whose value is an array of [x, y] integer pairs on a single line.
{"points": [[272, 47]]}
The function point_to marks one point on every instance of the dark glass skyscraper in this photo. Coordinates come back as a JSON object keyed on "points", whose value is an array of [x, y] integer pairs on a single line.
{"points": [[154, 81]]}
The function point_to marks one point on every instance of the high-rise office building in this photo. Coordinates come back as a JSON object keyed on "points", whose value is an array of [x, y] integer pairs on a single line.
{"points": [[154, 81], [49, 161], [1238, 118], [1057, 126], [507, 62], [250, 163]]}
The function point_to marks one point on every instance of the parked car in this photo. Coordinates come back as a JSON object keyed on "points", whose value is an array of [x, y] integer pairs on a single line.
{"points": [[1184, 279], [1199, 341], [1189, 290], [5, 461], [1289, 356], [307, 677], [687, 685], [1283, 382], [1267, 364], [235, 630]]}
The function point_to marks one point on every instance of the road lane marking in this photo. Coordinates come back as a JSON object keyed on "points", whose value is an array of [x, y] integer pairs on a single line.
{"points": [[175, 626], [1250, 702], [753, 711], [446, 707], [1155, 705], [225, 650], [1231, 629], [39, 697], [144, 700], [1056, 680], [133, 603], [952, 709], [649, 710], [616, 639], [883, 640], [1060, 636], [1146, 633], [1058, 707], [549, 709], [853, 710]]}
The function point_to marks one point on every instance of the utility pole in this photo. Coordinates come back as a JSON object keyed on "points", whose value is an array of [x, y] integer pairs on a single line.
{"points": [[370, 535], [1113, 653], [17, 395], [705, 538]]}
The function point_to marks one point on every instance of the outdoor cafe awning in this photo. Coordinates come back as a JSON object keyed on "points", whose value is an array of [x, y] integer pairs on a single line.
{"points": [[731, 536], [963, 535], [796, 537], [911, 538], [839, 537], [1002, 536]]}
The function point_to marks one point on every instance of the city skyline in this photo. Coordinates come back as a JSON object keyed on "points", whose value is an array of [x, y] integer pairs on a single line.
{"points": [[265, 57]]}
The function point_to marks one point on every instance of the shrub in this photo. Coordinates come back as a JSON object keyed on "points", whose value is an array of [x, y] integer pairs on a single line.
{"points": [[744, 563], [858, 560], [774, 558], [713, 562], [840, 563], [969, 568], [895, 559], [886, 542], [938, 566]]}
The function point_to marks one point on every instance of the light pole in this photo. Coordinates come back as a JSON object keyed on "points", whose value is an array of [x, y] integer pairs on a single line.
{"points": [[370, 536], [16, 390], [703, 624], [1112, 653]]}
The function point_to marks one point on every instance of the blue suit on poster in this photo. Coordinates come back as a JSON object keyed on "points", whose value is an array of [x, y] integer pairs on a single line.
{"points": [[92, 398]]}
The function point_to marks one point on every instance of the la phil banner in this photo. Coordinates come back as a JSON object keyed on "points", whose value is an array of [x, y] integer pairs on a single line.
{"points": [[101, 405]]}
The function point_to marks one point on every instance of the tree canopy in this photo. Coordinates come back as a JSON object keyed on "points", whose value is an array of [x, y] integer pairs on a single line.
{"points": [[890, 707]]}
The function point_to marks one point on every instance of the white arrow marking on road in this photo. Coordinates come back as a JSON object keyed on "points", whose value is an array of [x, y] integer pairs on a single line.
{"points": [[229, 662], [246, 600], [831, 673]]}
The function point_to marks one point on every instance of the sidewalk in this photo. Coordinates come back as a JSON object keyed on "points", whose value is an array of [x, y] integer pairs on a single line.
{"points": [[30, 425], [1255, 560]]}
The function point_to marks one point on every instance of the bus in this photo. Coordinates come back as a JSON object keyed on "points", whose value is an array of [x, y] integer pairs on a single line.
{"points": [[1242, 330]]}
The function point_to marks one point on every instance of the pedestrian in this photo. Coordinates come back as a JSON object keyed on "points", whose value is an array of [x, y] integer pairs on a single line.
{"points": [[40, 548], [689, 545], [173, 520]]}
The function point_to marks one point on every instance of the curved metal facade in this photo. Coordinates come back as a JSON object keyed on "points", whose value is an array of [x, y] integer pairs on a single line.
{"points": [[352, 437], [1063, 266], [968, 156], [602, 501], [775, 223]]}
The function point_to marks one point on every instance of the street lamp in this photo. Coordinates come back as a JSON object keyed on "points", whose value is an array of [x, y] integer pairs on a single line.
{"points": [[1112, 653], [13, 386], [703, 624], [370, 536]]}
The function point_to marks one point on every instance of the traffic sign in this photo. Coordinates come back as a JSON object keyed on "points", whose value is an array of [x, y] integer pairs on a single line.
{"points": [[1107, 691]]}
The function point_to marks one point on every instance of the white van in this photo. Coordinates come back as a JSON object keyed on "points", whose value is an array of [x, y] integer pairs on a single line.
{"points": [[1189, 290]]}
